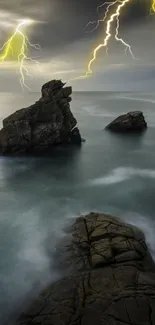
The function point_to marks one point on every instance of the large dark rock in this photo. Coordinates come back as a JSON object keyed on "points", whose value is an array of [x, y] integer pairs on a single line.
{"points": [[111, 282], [41, 126], [132, 121]]}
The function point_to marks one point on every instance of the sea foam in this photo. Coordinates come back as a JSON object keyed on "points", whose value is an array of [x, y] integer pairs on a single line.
{"points": [[121, 174]]}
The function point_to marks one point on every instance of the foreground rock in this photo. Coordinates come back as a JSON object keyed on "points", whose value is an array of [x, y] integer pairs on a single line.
{"points": [[38, 128], [132, 121], [112, 280]]}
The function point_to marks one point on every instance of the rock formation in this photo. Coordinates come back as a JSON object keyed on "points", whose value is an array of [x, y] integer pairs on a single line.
{"points": [[112, 281], [132, 121], [41, 126]]}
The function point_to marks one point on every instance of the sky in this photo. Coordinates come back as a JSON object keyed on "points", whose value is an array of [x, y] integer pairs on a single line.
{"points": [[66, 46]]}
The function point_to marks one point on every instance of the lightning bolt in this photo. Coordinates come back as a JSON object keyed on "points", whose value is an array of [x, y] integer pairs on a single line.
{"points": [[22, 57], [109, 4], [153, 6], [127, 46], [115, 16]]}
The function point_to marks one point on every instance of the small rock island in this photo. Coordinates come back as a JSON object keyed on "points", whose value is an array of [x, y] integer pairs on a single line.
{"points": [[47, 123], [130, 122]]}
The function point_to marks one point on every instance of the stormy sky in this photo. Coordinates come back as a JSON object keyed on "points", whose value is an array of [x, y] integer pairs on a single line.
{"points": [[66, 46]]}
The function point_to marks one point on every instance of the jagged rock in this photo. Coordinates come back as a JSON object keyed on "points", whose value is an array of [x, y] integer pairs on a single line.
{"points": [[41, 126], [111, 282], [132, 121]]}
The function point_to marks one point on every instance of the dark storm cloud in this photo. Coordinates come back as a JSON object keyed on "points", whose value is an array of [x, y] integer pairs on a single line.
{"points": [[66, 48], [72, 17], [26, 7], [66, 19]]}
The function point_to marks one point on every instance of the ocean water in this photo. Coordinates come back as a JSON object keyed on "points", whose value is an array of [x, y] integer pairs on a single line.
{"points": [[111, 173]]}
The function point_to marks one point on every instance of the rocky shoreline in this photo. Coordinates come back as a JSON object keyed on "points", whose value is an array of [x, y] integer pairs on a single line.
{"points": [[111, 278]]}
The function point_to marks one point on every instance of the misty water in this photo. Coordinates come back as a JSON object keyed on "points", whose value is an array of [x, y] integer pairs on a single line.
{"points": [[111, 173]]}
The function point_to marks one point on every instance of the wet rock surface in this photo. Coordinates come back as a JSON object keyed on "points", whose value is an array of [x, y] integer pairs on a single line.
{"points": [[130, 122], [43, 125], [111, 281]]}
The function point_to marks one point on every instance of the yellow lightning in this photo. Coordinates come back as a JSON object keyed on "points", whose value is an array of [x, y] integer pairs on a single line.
{"points": [[127, 46], [113, 16], [22, 57], [109, 4], [153, 6]]}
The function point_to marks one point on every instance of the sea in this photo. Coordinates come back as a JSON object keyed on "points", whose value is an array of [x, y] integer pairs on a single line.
{"points": [[110, 173]]}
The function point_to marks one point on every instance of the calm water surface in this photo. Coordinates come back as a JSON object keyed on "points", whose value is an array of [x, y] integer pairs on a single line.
{"points": [[110, 173]]}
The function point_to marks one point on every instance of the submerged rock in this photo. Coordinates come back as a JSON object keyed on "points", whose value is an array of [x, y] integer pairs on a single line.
{"points": [[132, 121], [41, 126], [112, 280]]}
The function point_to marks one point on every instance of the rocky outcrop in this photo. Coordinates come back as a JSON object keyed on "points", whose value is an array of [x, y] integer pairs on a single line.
{"points": [[130, 122], [112, 279], [41, 126]]}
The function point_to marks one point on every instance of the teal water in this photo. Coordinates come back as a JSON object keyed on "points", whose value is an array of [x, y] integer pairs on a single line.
{"points": [[110, 173]]}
